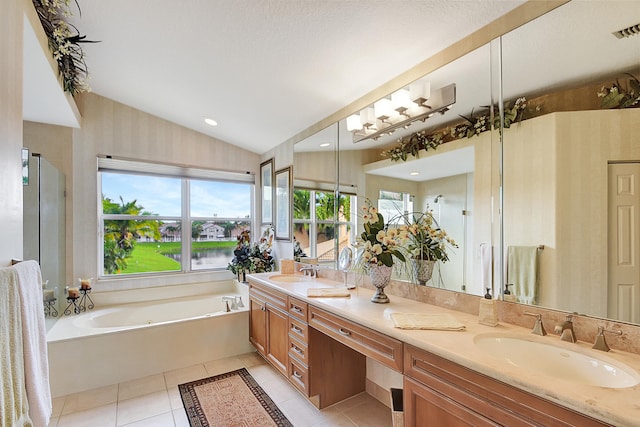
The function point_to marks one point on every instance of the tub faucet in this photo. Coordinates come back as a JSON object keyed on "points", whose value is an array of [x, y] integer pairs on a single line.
{"points": [[565, 329], [230, 302]]}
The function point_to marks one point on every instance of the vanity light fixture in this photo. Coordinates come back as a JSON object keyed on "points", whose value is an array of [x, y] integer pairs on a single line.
{"points": [[210, 121], [403, 107]]}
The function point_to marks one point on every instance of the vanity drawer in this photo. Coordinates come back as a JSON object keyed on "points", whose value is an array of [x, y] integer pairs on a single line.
{"points": [[268, 295], [298, 308], [298, 330], [298, 375], [375, 345], [299, 350]]}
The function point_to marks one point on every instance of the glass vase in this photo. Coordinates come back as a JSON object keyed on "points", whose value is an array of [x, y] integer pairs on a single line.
{"points": [[380, 276], [423, 270]]}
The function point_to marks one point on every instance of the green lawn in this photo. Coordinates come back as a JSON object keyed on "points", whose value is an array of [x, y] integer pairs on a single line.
{"points": [[148, 256]]}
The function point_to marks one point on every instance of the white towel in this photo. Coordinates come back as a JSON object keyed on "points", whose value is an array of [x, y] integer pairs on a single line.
{"points": [[522, 271], [486, 266], [14, 406], [328, 292], [34, 341]]}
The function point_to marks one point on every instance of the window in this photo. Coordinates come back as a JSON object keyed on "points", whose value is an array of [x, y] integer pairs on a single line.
{"points": [[154, 217], [392, 204], [322, 224]]}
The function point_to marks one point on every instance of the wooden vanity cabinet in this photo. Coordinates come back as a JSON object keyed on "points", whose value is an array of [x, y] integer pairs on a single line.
{"points": [[439, 392], [269, 325]]}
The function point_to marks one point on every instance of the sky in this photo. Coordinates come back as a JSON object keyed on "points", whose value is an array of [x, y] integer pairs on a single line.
{"points": [[160, 195]]}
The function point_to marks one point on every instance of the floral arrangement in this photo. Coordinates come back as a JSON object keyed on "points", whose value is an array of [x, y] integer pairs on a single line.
{"points": [[619, 96], [252, 258], [381, 242], [64, 43], [297, 251], [426, 240]]}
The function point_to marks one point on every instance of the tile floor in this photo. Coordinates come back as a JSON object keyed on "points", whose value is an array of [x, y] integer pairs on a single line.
{"points": [[154, 401]]}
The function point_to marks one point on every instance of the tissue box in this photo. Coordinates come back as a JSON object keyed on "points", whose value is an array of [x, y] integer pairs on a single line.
{"points": [[286, 266]]}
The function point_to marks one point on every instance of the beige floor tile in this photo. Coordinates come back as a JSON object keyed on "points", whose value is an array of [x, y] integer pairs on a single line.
{"points": [[175, 400], [141, 386], [222, 366], [90, 399], [141, 407], [302, 413], [53, 422], [185, 375], [251, 359], [58, 404], [101, 416], [370, 414], [264, 373], [180, 418], [279, 390], [161, 420]]}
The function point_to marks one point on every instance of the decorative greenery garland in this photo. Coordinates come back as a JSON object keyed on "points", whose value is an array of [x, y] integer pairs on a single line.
{"points": [[64, 43], [613, 96]]}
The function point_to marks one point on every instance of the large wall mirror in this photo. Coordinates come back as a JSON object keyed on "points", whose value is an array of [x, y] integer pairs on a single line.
{"points": [[570, 176], [555, 166]]}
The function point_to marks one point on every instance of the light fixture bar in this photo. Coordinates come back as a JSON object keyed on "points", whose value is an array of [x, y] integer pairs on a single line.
{"points": [[439, 102]]}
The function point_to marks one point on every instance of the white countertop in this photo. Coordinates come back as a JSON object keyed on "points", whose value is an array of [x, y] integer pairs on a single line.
{"points": [[614, 406]]}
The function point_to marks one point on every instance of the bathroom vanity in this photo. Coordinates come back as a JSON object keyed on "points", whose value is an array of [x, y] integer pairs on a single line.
{"points": [[321, 346]]}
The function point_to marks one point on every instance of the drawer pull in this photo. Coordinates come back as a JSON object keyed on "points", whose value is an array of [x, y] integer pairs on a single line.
{"points": [[344, 332], [296, 329], [297, 350], [296, 309], [263, 308], [297, 374]]}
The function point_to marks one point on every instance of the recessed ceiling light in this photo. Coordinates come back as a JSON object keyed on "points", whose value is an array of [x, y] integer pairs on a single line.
{"points": [[414, 173], [325, 144], [210, 121]]}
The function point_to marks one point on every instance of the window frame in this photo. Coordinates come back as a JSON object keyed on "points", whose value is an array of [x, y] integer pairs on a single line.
{"points": [[107, 164]]}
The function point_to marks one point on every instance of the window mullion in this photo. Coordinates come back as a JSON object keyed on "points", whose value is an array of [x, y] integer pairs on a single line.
{"points": [[186, 226]]}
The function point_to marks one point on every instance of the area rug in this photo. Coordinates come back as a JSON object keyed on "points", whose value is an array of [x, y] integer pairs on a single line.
{"points": [[231, 399]]}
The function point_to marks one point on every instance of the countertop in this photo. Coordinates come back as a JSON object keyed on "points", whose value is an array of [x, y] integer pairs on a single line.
{"points": [[615, 406]]}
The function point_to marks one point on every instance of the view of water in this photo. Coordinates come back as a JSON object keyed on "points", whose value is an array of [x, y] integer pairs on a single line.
{"points": [[210, 258]]}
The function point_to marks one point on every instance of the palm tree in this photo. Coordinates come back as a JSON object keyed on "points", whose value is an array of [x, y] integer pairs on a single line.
{"points": [[120, 235]]}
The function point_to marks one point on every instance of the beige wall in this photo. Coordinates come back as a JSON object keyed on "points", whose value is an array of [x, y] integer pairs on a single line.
{"points": [[111, 128], [556, 195], [11, 34]]}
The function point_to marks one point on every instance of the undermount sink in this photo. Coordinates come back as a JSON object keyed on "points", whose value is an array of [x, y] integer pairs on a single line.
{"points": [[290, 278], [558, 362]]}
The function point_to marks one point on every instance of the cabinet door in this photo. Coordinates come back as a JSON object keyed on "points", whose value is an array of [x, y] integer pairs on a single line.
{"points": [[277, 338], [424, 407], [258, 324]]}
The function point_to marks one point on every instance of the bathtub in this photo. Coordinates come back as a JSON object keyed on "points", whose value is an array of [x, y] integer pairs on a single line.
{"points": [[116, 343]]}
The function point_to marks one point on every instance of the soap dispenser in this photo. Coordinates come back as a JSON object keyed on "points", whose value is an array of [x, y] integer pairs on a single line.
{"points": [[508, 296], [488, 310]]}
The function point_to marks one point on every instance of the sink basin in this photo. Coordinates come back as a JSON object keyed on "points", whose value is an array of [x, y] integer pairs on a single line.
{"points": [[558, 362], [290, 278]]}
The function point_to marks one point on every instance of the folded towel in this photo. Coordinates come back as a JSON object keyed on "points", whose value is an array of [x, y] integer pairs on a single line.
{"points": [[328, 292], [34, 341], [442, 322], [14, 410]]}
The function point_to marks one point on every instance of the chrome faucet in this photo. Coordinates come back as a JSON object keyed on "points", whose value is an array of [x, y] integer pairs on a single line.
{"points": [[565, 329], [601, 342], [538, 327], [311, 269], [232, 300]]}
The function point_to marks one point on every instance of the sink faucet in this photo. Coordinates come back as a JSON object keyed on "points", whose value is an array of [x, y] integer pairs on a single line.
{"points": [[601, 343], [310, 270], [565, 329], [538, 327]]}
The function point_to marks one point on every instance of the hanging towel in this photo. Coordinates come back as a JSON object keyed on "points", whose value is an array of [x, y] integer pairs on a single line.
{"points": [[34, 341], [14, 405], [485, 253], [522, 271]]}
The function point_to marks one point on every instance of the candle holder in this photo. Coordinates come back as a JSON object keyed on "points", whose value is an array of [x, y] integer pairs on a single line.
{"points": [[50, 308], [72, 302], [83, 300]]}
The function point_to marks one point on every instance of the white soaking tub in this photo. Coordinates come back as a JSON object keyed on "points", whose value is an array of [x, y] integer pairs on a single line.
{"points": [[112, 344]]}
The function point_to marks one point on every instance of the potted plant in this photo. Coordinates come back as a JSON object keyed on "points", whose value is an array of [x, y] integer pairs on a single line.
{"points": [[426, 242], [381, 245]]}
